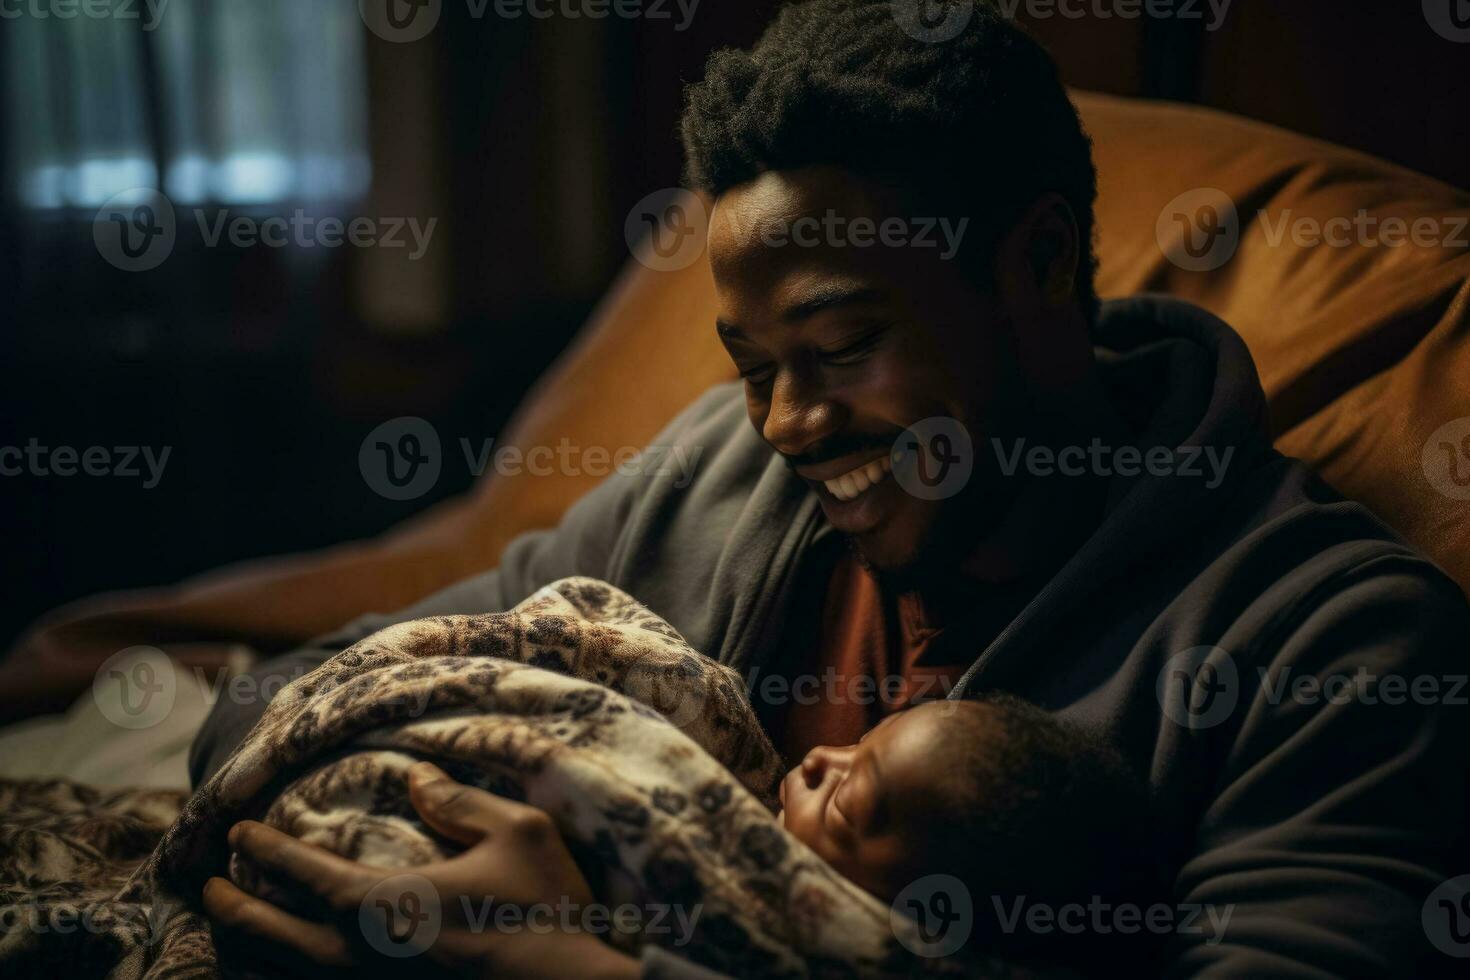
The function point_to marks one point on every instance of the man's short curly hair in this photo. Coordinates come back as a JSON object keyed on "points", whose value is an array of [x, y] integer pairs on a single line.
{"points": [[976, 126]]}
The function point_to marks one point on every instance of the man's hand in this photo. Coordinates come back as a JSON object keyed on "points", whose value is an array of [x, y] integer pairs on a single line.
{"points": [[434, 919]]}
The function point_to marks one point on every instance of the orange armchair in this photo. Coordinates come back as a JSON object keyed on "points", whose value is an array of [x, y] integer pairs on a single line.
{"points": [[1363, 349]]}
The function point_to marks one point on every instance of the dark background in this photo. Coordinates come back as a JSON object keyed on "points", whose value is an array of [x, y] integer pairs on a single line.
{"points": [[264, 369]]}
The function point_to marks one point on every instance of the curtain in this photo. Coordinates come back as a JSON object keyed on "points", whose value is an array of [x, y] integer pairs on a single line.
{"points": [[210, 101]]}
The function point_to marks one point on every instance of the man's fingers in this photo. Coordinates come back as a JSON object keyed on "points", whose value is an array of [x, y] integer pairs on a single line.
{"points": [[463, 813], [300, 939], [342, 883]]}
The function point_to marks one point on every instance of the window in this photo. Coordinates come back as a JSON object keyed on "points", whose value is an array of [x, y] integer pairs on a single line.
{"points": [[241, 102]]}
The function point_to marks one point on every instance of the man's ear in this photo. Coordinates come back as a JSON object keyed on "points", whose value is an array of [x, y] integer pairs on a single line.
{"points": [[1036, 264]]}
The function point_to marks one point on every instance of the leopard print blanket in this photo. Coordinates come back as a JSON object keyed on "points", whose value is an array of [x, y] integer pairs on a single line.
{"points": [[579, 701]]}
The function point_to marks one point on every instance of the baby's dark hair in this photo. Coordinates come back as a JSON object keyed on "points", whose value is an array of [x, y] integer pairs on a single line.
{"points": [[1041, 810], [977, 125]]}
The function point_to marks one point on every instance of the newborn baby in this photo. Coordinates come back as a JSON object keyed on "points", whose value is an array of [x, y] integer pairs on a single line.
{"points": [[997, 792]]}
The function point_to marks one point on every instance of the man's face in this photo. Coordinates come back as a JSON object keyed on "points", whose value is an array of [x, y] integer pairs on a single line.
{"points": [[843, 346]]}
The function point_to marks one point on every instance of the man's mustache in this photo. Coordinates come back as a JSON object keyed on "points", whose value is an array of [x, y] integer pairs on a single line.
{"points": [[835, 447]]}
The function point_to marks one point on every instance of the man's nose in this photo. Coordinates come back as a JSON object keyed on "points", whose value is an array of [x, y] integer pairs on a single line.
{"points": [[800, 415]]}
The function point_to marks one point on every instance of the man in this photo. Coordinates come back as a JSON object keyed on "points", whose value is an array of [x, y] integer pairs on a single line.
{"points": [[953, 469]]}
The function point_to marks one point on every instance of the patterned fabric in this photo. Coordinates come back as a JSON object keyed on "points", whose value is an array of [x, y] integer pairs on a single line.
{"points": [[579, 701]]}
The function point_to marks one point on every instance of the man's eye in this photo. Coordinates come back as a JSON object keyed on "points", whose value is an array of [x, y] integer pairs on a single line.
{"points": [[757, 375], [853, 352]]}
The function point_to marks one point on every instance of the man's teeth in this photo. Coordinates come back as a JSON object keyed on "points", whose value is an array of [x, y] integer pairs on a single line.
{"points": [[849, 485]]}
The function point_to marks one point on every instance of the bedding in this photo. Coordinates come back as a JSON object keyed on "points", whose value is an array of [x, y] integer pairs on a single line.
{"points": [[579, 701], [83, 746]]}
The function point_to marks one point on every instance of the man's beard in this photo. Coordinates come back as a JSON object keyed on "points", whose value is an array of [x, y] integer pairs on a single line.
{"points": [[958, 526]]}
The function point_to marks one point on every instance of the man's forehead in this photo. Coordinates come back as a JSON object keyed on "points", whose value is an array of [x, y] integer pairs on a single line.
{"points": [[766, 266], [745, 216], [795, 299]]}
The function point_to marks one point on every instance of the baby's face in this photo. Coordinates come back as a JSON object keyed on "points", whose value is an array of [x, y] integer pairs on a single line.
{"points": [[863, 807]]}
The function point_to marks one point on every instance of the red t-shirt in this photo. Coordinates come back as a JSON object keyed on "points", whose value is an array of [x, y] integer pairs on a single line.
{"points": [[868, 662]]}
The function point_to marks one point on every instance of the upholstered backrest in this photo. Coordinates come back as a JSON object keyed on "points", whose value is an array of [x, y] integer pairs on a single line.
{"points": [[1350, 284]]}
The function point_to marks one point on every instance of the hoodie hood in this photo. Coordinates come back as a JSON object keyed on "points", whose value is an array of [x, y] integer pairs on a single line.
{"points": [[1186, 383]]}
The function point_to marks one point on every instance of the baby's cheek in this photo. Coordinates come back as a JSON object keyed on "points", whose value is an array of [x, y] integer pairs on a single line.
{"points": [[848, 866], [807, 832]]}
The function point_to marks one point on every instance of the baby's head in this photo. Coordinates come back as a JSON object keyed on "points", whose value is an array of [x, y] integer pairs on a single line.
{"points": [[997, 792]]}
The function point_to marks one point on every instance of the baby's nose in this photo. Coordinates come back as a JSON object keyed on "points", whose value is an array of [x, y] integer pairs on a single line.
{"points": [[816, 764]]}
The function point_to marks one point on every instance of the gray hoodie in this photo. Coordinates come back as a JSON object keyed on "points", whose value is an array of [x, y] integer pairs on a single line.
{"points": [[1283, 670]]}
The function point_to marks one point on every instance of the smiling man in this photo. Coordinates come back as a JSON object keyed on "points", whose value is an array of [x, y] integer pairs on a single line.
{"points": [[852, 544]]}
